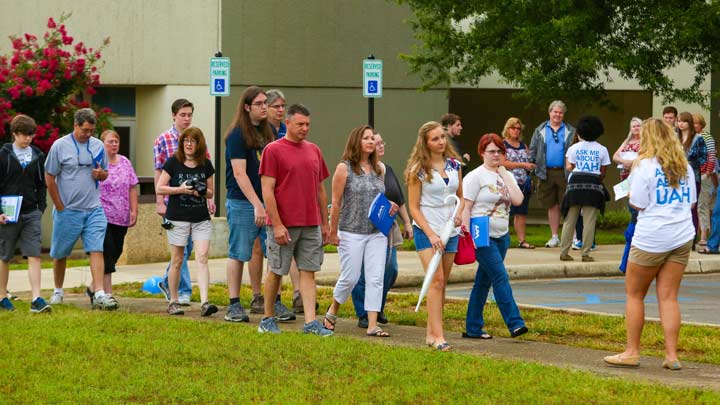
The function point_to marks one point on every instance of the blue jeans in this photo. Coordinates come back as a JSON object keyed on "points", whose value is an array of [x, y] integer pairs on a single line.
{"points": [[358, 293], [491, 271], [714, 240], [185, 287]]}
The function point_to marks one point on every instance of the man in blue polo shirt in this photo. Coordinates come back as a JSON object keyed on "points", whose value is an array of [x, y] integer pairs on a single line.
{"points": [[550, 141]]}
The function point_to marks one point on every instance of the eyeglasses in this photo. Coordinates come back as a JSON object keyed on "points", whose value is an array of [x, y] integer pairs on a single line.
{"points": [[189, 141], [88, 131], [494, 151], [260, 103], [277, 106]]}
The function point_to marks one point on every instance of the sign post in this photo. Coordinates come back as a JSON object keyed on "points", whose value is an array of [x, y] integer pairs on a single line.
{"points": [[372, 84], [219, 87]]}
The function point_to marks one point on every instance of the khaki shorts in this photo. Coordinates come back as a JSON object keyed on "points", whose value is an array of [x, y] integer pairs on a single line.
{"points": [[552, 191], [305, 246], [182, 231], [678, 255]]}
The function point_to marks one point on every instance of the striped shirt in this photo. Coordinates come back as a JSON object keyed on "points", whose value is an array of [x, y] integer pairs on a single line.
{"points": [[709, 165]]}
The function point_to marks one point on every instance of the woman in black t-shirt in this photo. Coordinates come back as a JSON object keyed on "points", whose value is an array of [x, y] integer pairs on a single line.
{"points": [[187, 178]]}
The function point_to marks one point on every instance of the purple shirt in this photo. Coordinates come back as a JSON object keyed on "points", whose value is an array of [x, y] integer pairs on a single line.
{"points": [[115, 191]]}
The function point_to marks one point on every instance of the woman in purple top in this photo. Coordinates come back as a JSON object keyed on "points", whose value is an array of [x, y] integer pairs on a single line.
{"points": [[119, 198], [518, 163]]}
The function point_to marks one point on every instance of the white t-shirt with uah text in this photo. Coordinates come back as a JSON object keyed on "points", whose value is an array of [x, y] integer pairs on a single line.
{"points": [[665, 220], [588, 157]]}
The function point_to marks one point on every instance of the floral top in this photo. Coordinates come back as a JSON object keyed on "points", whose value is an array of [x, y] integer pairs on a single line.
{"points": [[630, 146], [518, 155], [115, 191]]}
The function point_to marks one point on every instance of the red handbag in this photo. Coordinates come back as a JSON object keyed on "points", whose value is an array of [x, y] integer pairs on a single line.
{"points": [[466, 248]]}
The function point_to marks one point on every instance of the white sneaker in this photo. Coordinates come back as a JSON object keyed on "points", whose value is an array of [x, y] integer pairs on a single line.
{"points": [[553, 242], [576, 244], [56, 298]]}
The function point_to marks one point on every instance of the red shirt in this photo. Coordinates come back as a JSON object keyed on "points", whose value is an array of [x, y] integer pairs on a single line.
{"points": [[298, 169]]}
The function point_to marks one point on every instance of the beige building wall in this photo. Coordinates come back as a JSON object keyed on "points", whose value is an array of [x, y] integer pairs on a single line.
{"points": [[152, 41]]}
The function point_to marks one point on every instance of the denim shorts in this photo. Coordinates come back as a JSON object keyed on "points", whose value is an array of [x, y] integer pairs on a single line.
{"points": [[422, 242], [69, 225], [243, 231]]}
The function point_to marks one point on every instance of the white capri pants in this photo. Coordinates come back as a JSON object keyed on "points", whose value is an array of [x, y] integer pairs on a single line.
{"points": [[355, 250]]}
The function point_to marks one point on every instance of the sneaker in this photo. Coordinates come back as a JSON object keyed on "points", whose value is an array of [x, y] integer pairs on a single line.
{"points": [[282, 313], [298, 305], [165, 290], [6, 305], [39, 306], [381, 318], [257, 305], [316, 328], [553, 242], [363, 322], [593, 247], [236, 313], [91, 295], [577, 244], [56, 298], [207, 309], [175, 309], [184, 300], [11, 296], [269, 325], [106, 302]]}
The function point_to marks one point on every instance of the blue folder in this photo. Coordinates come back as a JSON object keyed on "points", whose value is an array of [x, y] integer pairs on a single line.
{"points": [[480, 231], [379, 214]]}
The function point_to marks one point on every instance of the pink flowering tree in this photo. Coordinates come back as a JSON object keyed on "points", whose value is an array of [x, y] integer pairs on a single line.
{"points": [[49, 80]]}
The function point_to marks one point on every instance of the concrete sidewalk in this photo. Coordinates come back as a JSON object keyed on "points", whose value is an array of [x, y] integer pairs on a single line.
{"points": [[521, 264]]}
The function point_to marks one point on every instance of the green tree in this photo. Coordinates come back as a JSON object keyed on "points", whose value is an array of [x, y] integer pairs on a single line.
{"points": [[566, 48]]}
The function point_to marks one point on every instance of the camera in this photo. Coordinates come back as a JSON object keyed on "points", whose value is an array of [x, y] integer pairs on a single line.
{"points": [[166, 224], [197, 184]]}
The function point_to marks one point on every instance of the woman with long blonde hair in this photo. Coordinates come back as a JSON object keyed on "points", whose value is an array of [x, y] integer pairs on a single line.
{"points": [[433, 172], [662, 189]]}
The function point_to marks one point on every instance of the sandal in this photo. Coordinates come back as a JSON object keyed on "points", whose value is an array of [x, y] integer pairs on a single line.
{"points": [[702, 242], [377, 332], [524, 245], [329, 321], [441, 347], [706, 251]]}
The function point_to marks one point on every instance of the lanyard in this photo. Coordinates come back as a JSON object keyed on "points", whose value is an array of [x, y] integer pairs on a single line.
{"points": [[92, 158]]}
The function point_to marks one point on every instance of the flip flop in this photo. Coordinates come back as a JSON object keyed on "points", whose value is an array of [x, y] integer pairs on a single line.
{"points": [[441, 347], [706, 251], [377, 332]]}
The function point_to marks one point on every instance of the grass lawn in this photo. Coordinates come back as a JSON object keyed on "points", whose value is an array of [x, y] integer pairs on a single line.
{"points": [[697, 343], [47, 264], [78, 356]]}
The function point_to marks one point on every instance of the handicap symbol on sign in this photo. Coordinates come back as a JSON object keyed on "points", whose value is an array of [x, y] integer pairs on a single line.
{"points": [[372, 86], [219, 85]]}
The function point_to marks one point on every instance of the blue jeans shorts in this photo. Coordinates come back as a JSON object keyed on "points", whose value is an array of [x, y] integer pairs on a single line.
{"points": [[422, 242], [69, 225], [243, 231]]}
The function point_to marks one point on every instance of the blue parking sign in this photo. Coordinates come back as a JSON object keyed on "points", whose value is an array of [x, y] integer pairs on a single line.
{"points": [[372, 87], [219, 85]]}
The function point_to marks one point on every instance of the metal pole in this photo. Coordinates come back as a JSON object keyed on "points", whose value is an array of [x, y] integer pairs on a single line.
{"points": [[218, 172], [371, 105]]}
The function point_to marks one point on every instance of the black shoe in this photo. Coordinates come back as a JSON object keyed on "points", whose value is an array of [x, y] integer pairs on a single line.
{"points": [[363, 322], [519, 331], [382, 318], [92, 297], [482, 335]]}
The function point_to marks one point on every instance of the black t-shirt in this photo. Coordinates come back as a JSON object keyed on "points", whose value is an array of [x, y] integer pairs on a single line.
{"points": [[186, 207], [393, 190], [235, 148]]}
